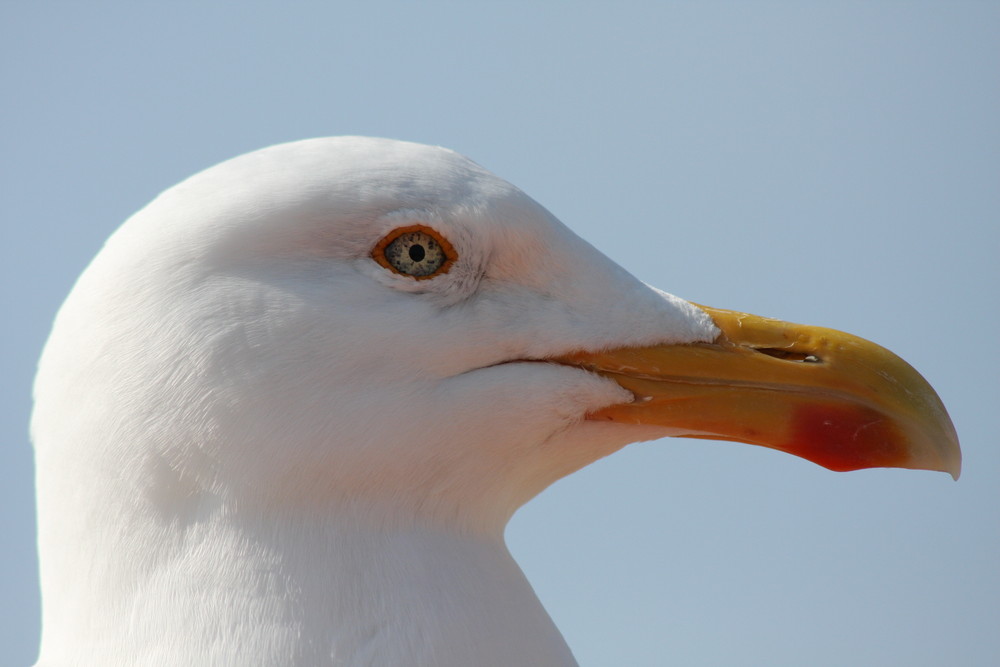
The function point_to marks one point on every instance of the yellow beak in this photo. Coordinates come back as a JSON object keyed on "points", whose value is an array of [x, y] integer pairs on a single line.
{"points": [[827, 396]]}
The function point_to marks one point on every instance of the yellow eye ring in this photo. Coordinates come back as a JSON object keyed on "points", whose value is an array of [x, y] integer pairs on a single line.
{"points": [[416, 251]]}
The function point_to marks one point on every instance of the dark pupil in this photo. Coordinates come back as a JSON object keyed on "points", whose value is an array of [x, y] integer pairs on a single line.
{"points": [[417, 252]]}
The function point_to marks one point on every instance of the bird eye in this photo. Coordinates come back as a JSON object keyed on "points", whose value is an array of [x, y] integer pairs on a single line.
{"points": [[415, 251]]}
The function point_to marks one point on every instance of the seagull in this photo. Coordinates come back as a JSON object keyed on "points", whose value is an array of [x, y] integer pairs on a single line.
{"points": [[287, 411]]}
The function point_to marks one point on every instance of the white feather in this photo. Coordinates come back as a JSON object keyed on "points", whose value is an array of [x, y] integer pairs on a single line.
{"points": [[256, 446]]}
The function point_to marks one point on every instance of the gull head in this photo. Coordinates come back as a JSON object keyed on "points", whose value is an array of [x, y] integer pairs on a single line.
{"points": [[291, 405]]}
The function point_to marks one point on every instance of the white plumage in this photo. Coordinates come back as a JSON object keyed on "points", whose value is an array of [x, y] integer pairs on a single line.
{"points": [[258, 447]]}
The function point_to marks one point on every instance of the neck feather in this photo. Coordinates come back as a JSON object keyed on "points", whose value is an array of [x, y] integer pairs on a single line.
{"points": [[295, 591]]}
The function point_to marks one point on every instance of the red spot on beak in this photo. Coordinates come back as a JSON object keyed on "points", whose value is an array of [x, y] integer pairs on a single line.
{"points": [[845, 438]]}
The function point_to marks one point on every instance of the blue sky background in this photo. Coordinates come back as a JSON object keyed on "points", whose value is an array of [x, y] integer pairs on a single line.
{"points": [[835, 164]]}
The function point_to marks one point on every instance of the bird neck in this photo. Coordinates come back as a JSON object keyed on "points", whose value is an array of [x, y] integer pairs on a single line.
{"points": [[295, 590]]}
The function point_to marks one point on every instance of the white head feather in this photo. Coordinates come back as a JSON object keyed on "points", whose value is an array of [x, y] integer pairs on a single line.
{"points": [[256, 446]]}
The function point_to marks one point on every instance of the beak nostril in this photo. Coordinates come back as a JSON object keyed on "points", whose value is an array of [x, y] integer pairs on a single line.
{"points": [[789, 355]]}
